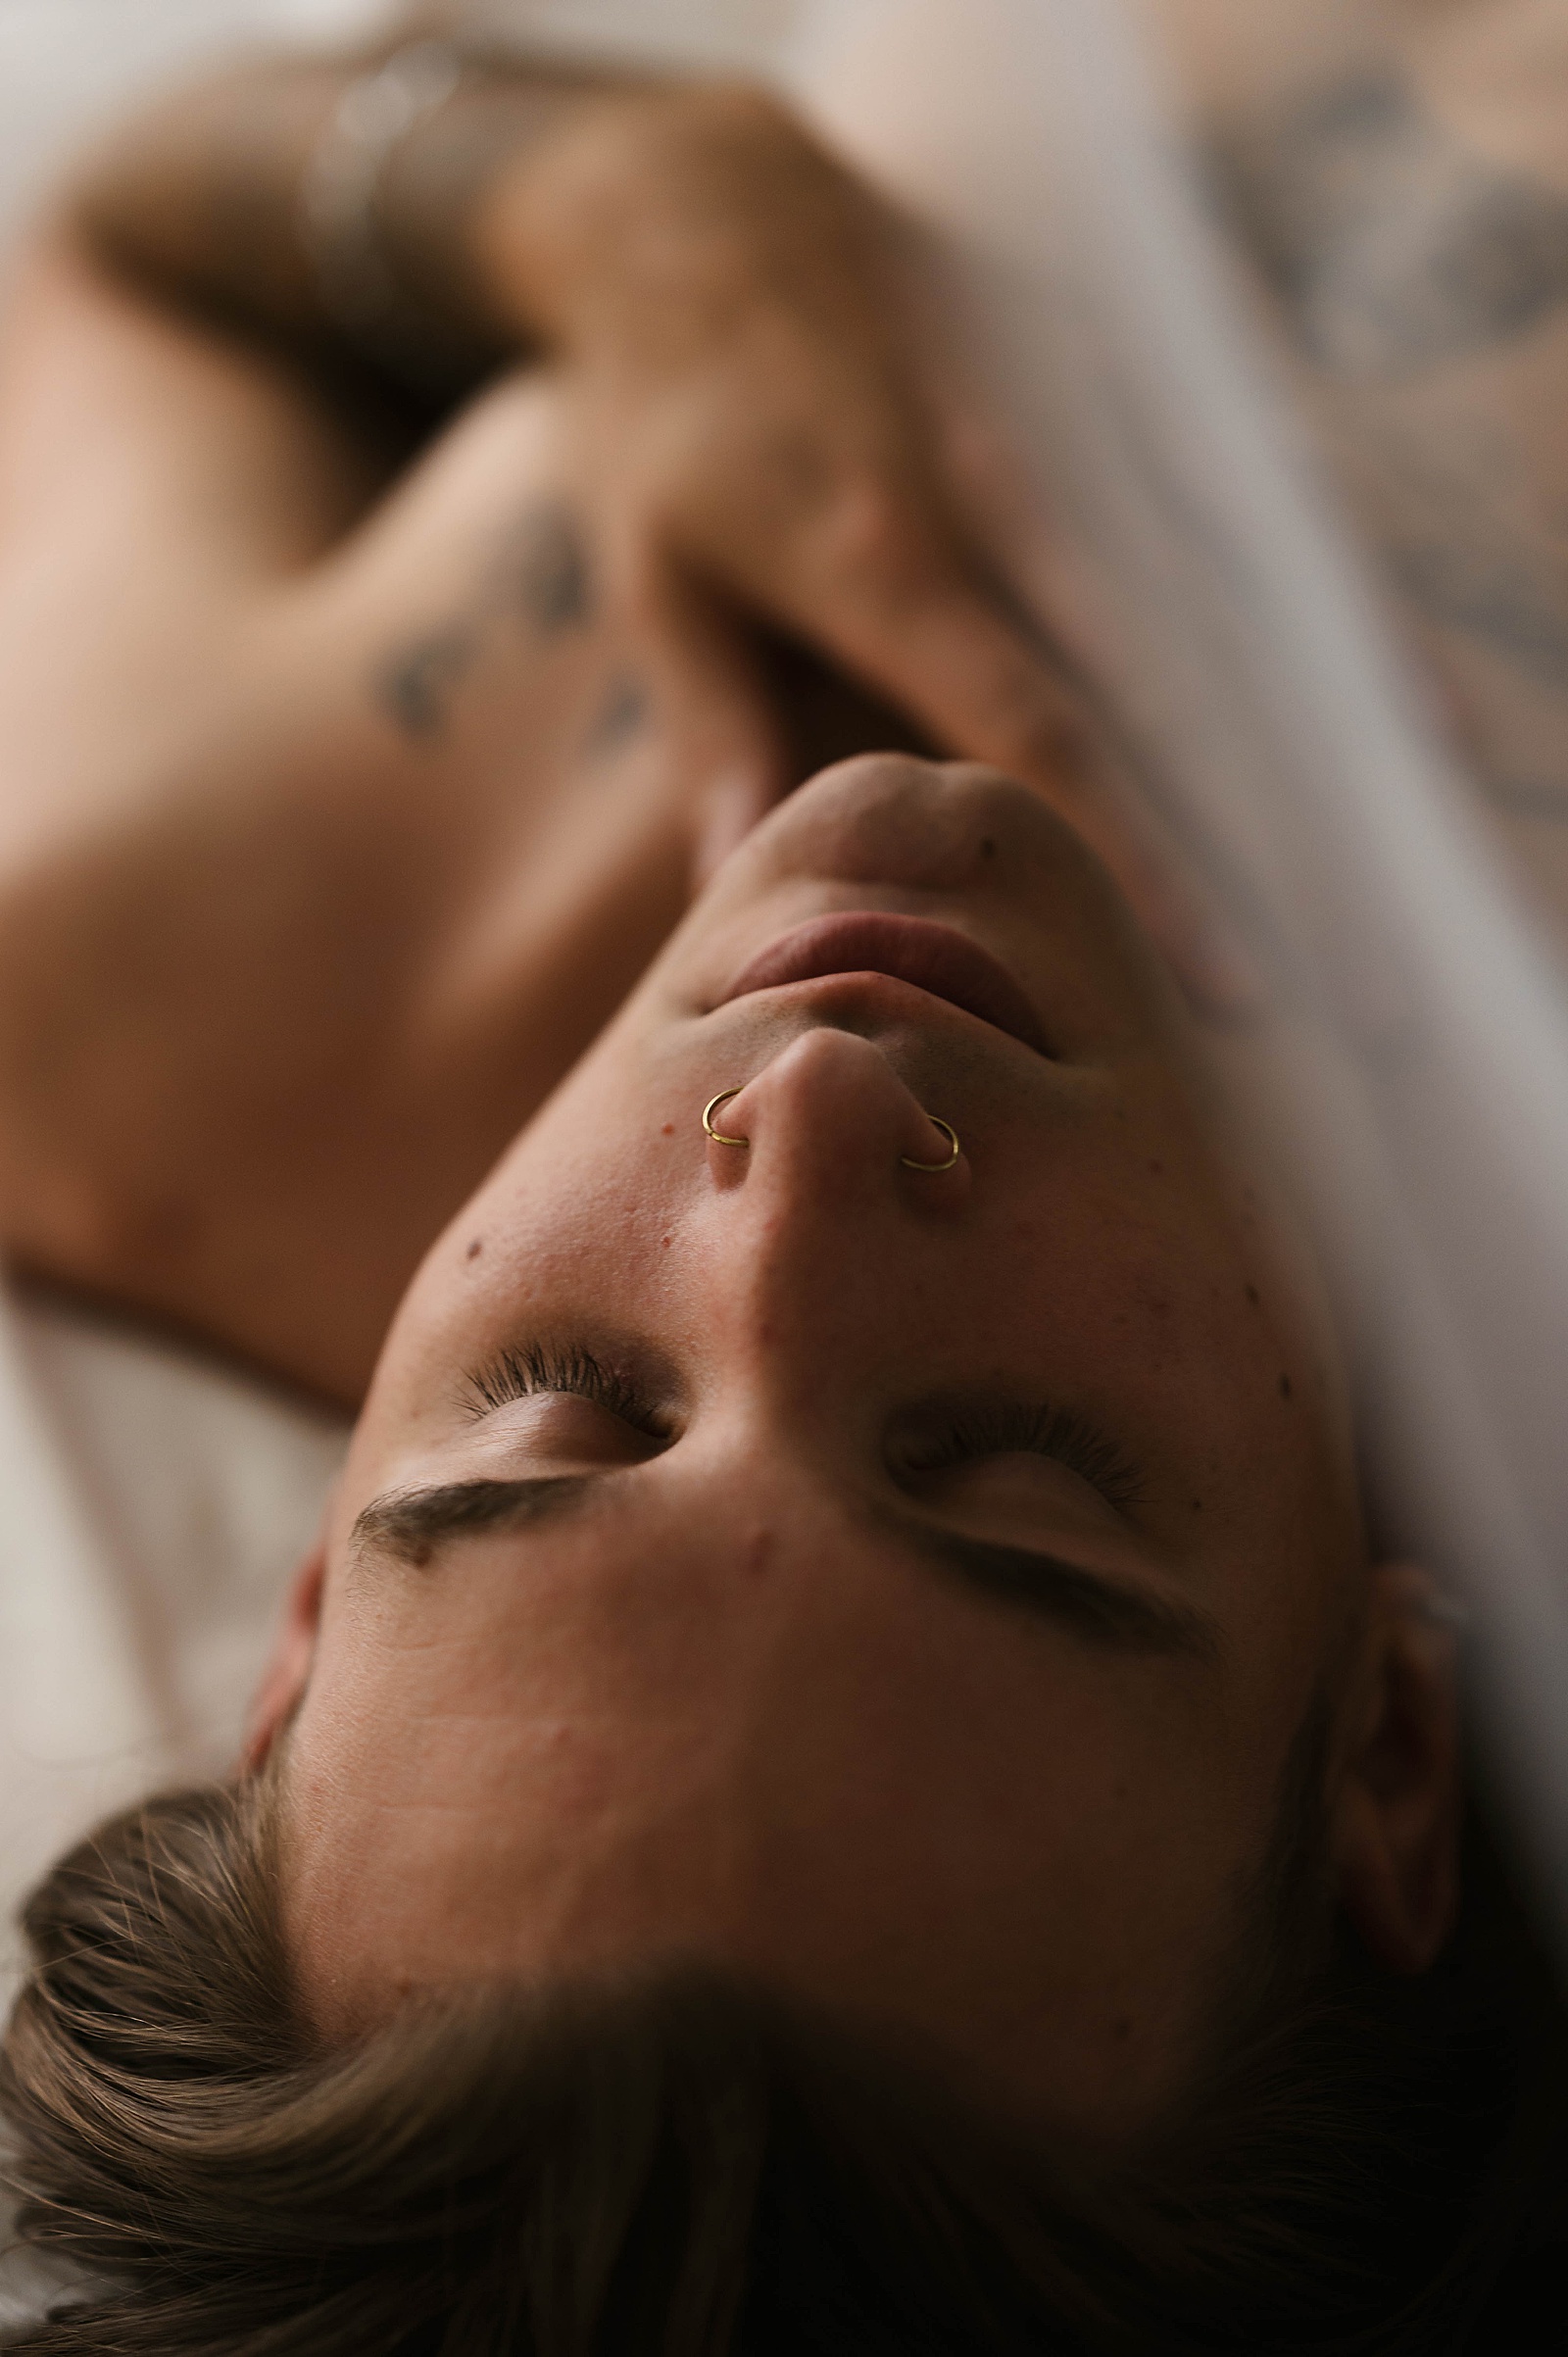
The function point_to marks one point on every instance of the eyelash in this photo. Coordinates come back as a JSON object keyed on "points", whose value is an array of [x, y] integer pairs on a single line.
{"points": [[1051, 1432], [522, 1374]]}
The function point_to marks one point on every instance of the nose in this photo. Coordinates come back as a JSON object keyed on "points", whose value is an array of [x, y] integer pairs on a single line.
{"points": [[824, 1233], [830, 1124]]}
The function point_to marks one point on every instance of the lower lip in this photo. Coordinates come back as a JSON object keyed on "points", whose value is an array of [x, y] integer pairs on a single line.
{"points": [[933, 958]]}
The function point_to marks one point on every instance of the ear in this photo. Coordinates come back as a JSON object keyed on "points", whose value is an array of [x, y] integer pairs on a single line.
{"points": [[288, 1667], [1394, 1828]]}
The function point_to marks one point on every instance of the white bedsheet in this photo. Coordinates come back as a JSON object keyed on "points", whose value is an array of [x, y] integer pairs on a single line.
{"points": [[152, 1507]]}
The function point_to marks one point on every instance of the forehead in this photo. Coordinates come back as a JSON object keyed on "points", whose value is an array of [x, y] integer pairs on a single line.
{"points": [[794, 1758]]}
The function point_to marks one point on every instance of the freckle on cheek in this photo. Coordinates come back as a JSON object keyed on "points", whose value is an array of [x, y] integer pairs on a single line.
{"points": [[1251, 1291], [1284, 1387], [669, 1130], [474, 1248]]}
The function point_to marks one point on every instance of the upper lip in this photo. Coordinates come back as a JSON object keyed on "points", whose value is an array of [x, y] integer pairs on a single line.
{"points": [[933, 958]]}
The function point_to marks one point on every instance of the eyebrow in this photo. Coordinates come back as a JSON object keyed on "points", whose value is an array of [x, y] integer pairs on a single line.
{"points": [[413, 1525], [410, 1525], [1089, 1605]]}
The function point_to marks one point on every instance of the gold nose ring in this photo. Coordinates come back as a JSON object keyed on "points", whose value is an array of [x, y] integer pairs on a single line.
{"points": [[710, 1110], [952, 1136], [907, 1162]]}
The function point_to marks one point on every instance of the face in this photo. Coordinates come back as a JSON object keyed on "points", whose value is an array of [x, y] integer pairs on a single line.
{"points": [[899, 1583]]}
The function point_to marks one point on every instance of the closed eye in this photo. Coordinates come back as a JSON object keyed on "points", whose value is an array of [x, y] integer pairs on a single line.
{"points": [[951, 1438], [969, 1435], [524, 1372]]}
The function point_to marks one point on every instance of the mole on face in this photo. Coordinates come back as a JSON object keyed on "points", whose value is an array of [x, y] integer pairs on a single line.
{"points": [[1284, 1387], [474, 1248]]}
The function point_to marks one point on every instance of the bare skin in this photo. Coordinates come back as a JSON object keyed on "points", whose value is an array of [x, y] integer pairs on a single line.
{"points": [[505, 693], [346, 796], [408, 888], [903, 1584], [938, 1564]]}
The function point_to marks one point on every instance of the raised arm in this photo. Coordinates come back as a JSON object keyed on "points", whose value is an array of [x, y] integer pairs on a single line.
{"points": [[248, 193], [726, 294]]}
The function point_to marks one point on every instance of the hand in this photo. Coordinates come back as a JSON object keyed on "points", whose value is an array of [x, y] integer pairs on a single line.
{"points": [[720, 289]]}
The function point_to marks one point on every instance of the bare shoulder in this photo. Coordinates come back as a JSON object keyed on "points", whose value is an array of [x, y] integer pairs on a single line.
{"points": [[324, 863]]}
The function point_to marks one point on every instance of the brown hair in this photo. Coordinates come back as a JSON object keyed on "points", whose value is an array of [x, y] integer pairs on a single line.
{"points": [[687, 2166]]}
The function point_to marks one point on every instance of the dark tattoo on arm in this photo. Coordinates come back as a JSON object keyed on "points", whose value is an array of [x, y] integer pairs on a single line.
{"points": [[540, 575], [626, 706], [1391, 247], [545, 570], [416, 686], [1489, 595], [1396, 253], [1464, 538]]}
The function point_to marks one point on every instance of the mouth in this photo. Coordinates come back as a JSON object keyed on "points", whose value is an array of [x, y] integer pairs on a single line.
{"points": [[933, 958]]}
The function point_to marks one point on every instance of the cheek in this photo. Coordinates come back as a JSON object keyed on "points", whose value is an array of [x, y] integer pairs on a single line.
{"points": [[1156, 1280], [562, 1219], [1138, 1283]]}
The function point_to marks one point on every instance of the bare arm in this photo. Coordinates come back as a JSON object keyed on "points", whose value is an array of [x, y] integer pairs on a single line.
{"points": [[1400, 175], [200, 198], [725, 295], [248, 901]]}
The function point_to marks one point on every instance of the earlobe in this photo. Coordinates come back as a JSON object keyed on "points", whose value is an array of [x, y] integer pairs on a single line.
{"points": [[1397, 1809], [288, 1668]]}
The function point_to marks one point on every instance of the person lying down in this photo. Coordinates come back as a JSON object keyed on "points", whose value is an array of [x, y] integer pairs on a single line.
{"points": [[844, 1774]]}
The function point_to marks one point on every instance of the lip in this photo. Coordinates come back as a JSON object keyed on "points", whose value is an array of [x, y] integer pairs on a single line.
{"points": [[934, 958]]}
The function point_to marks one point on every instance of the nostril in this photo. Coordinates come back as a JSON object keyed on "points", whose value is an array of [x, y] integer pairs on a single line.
{"points": [[831, 1110]]}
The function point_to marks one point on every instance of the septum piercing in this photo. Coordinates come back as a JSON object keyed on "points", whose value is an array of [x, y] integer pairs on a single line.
{"points": [[906, 1162]]}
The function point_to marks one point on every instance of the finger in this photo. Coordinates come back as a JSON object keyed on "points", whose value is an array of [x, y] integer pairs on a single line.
{"points": [[726, 747], [880, 587]]}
